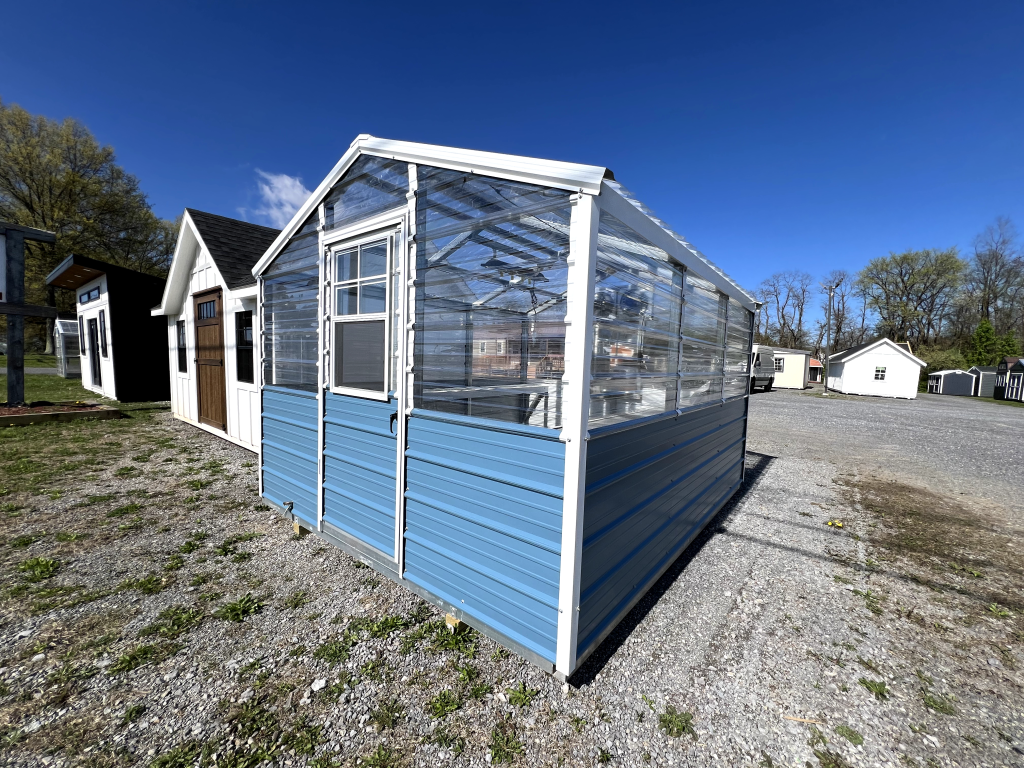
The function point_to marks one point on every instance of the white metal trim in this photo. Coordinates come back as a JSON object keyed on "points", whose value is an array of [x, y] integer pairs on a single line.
{"points": [[405, 377], [628, 214], [259, 378], [323, 310], [579, 320], [365, 228]]}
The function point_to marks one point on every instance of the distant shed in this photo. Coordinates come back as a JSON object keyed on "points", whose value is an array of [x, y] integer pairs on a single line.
{"points": [[1009, 381], [984, 380], [951, 382], [792, 368], [814, 370]]}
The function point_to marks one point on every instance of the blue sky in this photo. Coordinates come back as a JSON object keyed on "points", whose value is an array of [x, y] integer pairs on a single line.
{"points": [[810, 136]]}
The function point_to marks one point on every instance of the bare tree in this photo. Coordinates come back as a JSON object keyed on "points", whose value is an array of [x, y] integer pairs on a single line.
{"points": [[785, 296]]}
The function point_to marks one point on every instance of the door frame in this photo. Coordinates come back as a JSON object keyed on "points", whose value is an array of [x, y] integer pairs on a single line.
{"points": [[197, 298], [92, 325], [394, 224]]}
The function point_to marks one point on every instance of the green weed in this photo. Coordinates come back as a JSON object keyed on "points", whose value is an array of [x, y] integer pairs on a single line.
{"points": [[522, 696], [444, 739], [133, 713], [443, 704], [68, 536], [942, 706], [174, 563], [245, 606], [504, 745], [25, 540], [382, 757], [336, 651], [297, 600], [998, 611], [149, 585], [387, 715], [849, 734], [877, 688], [676, 723], [38, 569], [141, 655], [174, 621]]}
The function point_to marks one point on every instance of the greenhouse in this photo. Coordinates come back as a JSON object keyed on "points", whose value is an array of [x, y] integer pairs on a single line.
{"points": [[65, 348], [502, 382]]}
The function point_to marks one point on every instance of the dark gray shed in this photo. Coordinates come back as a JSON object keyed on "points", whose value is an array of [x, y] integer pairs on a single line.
{"points": [[984, 380], [952, 382]]}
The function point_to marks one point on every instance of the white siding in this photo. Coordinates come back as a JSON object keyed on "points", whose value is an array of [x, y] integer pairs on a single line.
{"points": [[795, 370], [856, 376], [91, 311]]}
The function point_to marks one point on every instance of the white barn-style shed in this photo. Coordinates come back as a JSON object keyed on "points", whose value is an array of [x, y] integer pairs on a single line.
{"points": [[880, 368], [210, 304], [984, 380]]}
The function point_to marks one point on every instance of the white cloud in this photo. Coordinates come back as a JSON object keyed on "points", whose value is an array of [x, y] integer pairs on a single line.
{"points": [[281, 196]]}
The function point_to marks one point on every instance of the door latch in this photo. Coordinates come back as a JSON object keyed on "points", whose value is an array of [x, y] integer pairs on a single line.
{"points": [[394, 418]]}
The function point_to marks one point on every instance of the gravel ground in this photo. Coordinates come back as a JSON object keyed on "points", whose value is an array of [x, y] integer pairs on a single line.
{"points": [[155, 612]]}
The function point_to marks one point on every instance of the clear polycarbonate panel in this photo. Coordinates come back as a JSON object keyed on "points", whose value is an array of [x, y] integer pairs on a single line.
{"points": [[637, 303], [371, 186], [491, 270], [737, 350], [290, 286]]}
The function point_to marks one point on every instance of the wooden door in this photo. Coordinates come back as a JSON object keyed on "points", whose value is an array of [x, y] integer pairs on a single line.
{"points": [[210, 384]]}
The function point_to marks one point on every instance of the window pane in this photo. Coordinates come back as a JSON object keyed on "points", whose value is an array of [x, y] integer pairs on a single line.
{"points": [[359, 351], [346, 265], [346, 300], [207, 310], [372, 298], [373, 259]]}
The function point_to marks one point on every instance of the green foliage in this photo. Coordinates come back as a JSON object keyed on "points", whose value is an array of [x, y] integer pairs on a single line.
{"points": [[296, 599], [877, 688], [382, 757], [25, 540], [387, 714], [522, 696], [850, 735], [445, 739], [133, 713], [444, 704], [505, 746], [38, 569], [1007, 346], [149, 585], [983, 345], [942, 706], [336, 651], [182, 756], [676, 723], [143, 654], [174, 621], [245, 606]]}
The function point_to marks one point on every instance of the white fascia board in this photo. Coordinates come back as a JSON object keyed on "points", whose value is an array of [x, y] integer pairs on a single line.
{"points": [[550, 173], [623, 210], [181, 270], [248, 292]]}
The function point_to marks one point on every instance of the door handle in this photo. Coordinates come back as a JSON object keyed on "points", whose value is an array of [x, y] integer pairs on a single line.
{"points": [[391, 426]]}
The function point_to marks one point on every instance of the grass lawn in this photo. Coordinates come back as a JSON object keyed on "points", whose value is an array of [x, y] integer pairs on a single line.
{"points": [[52, 388], [33, 361], [1014, 403]]}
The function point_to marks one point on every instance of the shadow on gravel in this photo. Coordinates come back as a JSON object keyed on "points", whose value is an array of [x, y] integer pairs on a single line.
{"points": [[756, 463]]}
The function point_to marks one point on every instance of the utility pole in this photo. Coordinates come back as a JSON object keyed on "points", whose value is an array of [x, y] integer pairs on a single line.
{"points": [[12, 301], [830, 290]]}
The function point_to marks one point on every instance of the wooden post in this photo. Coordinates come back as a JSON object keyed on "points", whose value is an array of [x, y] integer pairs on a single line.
{"points": [[15, 323]]}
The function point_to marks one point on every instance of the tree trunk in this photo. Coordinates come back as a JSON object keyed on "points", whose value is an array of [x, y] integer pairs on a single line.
{"points": [[51, 301]]}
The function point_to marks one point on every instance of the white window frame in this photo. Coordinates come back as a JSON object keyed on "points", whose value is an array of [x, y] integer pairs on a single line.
{"points": [[880, 369], [364, 233], [780, 364]]}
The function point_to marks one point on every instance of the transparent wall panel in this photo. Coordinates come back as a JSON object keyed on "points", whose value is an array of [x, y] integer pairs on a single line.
{"points": [[737, 350], [371, 186], [637, 305], [290, 286], [491, 270]]}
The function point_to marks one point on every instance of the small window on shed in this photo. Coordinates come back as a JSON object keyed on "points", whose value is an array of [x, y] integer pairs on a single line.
{"points": [[243, 346], [207, 310], [81, 334], [90, 295], [103, 333], [880, 373], [780, 364], [182, 348]]}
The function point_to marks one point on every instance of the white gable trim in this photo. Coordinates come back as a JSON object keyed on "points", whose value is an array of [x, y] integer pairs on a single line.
{"points": [[179, 277], [884, 342]]}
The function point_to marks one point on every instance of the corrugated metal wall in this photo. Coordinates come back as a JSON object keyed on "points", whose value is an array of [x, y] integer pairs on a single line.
{"points": [[649, 491], [484, 522], [290, 450], [360, 469]]}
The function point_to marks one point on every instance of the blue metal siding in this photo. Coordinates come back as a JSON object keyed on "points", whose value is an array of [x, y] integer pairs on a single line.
{"points": [[360, 469], [649, 492], [290, 449], [484, 522]]}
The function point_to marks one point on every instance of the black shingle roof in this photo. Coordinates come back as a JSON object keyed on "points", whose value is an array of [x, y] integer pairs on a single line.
{"points": [[235, 245]]}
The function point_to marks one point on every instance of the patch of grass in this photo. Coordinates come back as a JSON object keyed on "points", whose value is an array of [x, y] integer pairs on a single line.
{"points": [[871, 601], [849, 734], [149, 585], [444, 704], [467, 674], [297, 599], [934, 703], [604, 756], [387, 714], [128, 471], [336, 651], [877, 688], [241, 557], [69, 674], [142, 655], [382, 757], [676, 723], [445, 739], [304, 738], [578, 723], [25, 540], [174, 563], [998, 611], [189, 547], [240, 609], [38, 569], [868, 664], [504, 745], [174, 621], [522, 696], [133, 713], [375, 669], [66, 537], [100, 499], [829, 759], [479, 690]]}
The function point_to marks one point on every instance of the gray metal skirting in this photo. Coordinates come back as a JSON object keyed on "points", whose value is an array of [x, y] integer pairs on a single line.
{"points": [[386, 567]]}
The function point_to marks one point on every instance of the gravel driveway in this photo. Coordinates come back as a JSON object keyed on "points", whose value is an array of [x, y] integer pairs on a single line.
{"points": [[154, 611]]}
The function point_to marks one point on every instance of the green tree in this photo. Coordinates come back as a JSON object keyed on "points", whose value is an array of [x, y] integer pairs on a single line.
{"points": [[983, 345], [1007, 346], [56, 176], [913, 292]]}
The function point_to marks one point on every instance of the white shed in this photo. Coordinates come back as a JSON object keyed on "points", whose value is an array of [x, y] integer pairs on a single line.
{"points": [[881, 368], [792, 368], [210, 303], [951, 382], [984, 380]]}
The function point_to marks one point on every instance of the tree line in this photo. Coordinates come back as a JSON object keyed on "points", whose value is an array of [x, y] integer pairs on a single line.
{"points": [[955, 311], [56, 176]]}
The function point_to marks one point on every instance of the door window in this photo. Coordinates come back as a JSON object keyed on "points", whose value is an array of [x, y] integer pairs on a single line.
{"points": [[360, 318]]}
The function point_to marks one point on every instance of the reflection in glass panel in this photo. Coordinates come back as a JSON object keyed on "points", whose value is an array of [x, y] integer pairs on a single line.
{"points": [[373, 259], [371, 186], [347, 264], [346, 300], [490, 297], [372, 298], [359, 352]]}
